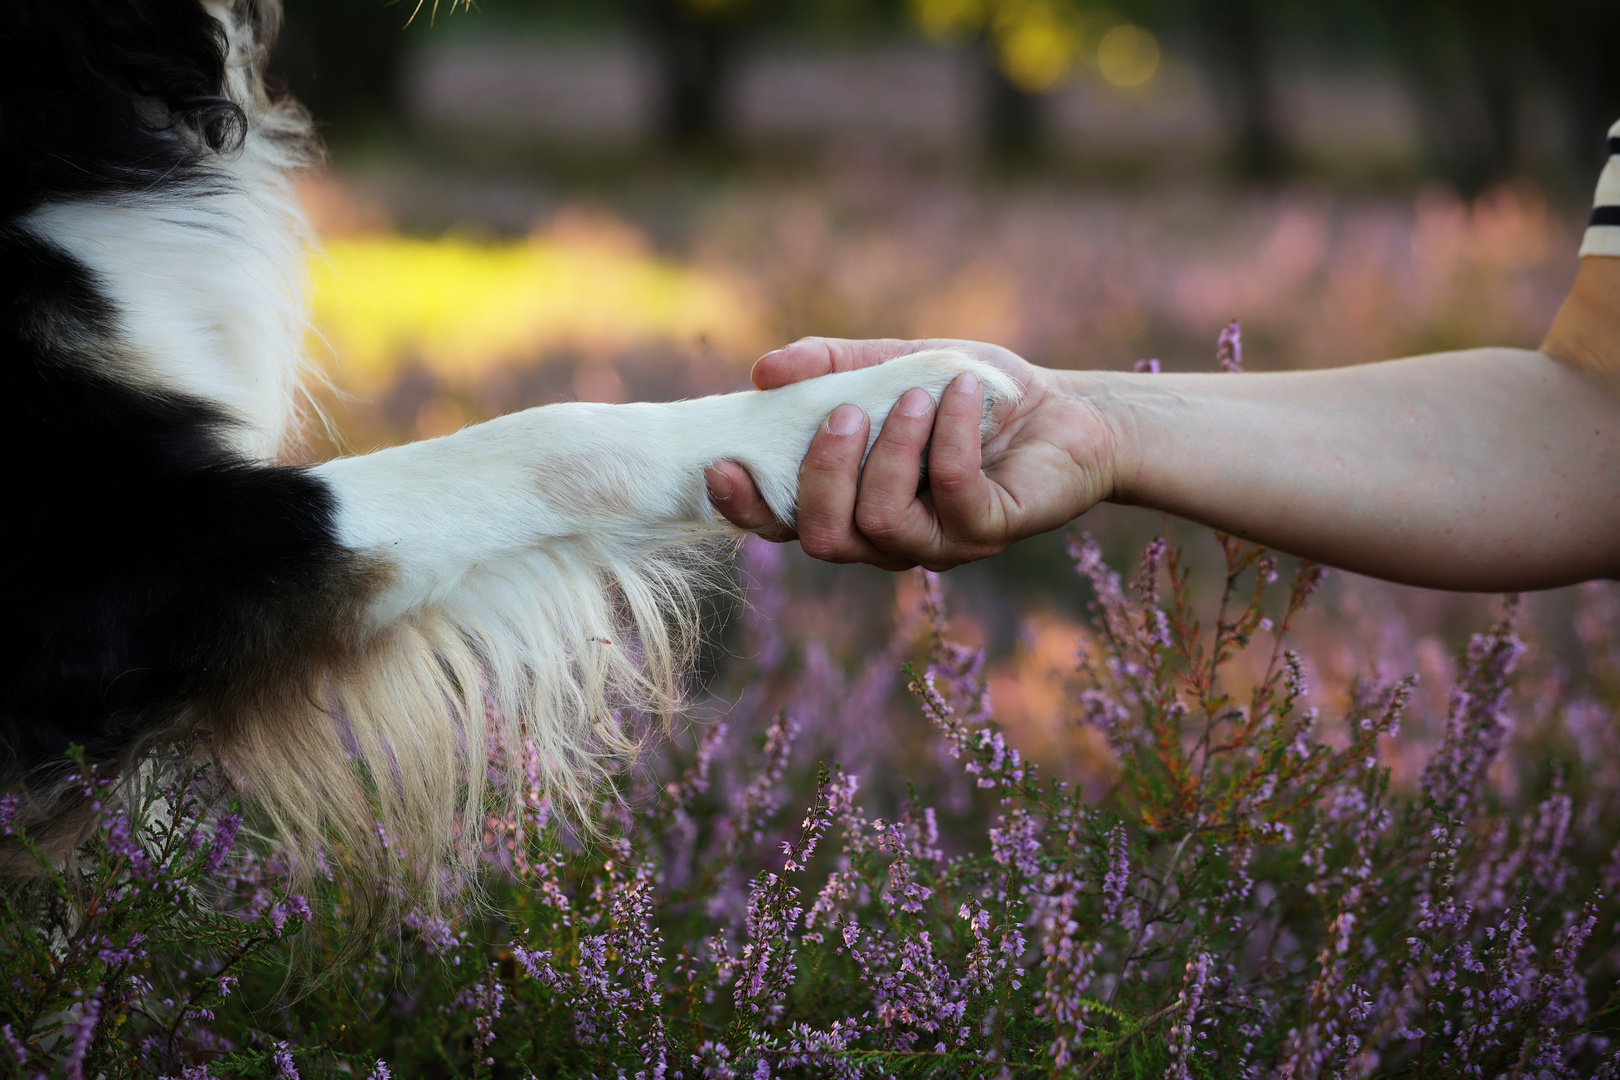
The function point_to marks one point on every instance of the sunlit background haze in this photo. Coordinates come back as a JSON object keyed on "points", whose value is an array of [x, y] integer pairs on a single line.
{"points": [[531, 201]]}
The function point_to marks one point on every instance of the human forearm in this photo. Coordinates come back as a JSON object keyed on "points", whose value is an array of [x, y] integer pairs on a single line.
{"points": [[1489, 469]]}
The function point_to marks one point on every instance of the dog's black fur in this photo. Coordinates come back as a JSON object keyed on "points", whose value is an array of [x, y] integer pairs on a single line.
{"points": [[80, 86], [532, 582], [144, 567]]}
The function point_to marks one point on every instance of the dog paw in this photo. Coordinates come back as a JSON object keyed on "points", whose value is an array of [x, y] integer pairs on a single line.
{"points": [[877, 389], [796, 411]]}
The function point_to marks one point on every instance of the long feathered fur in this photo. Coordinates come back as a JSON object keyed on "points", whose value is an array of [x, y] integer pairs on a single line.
{"points": [[349, 640]]}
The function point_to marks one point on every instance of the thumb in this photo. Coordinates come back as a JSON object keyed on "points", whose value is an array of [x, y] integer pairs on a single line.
{"points": [[811, 357]]}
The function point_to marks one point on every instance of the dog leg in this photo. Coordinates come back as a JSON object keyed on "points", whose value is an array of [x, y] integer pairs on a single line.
{"points": [[537, 576], [598, 476]]}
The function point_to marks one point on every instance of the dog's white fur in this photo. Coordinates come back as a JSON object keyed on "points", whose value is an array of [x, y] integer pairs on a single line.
{"points": [[536, 574], [212, 285]]}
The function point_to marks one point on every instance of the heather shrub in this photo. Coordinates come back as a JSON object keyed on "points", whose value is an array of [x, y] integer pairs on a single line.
{"points": [[1251, 888], [1253, 897]]}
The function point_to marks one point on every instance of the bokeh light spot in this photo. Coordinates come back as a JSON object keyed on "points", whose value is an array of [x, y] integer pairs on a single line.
{"points": [[945, 19], [1127, 56], [1035, 47]]}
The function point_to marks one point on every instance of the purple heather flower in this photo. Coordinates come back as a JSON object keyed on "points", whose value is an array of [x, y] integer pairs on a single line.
{"points": [[767, 964], [1182, 1034], [487, 999], [282, 1059], [224, 840], [438, 934], [538, 965], [1108, 592], [1118, 877], [1548, 868], [1449, 914], [129, 952], [121, 843], [1229, 348], [14, 1044], [79, 1031], [832, 793], [695, 781], [1017, 844], [282, 910], [760, 800], [8, 813], [1066, 966], [1478, 724]]}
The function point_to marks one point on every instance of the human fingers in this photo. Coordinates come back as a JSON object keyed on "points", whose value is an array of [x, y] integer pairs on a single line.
{"points": [[812, 356], [968, 518], [734, 494], [888, 511], [829, 482]]}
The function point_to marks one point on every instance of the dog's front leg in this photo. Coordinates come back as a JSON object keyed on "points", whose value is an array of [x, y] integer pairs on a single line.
{"points": [[594, 482], [549, 563]]}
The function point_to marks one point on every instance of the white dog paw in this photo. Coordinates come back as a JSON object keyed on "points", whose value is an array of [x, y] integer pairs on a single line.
{"points": [[877, 389], [791, 414]]}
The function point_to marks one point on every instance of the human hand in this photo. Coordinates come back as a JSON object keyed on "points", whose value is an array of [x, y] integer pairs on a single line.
{"points": [[1051, 460]]}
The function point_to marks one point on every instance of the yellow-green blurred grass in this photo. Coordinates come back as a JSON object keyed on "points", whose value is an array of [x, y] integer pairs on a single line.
{"points": [[462, 307], [425, 335]]}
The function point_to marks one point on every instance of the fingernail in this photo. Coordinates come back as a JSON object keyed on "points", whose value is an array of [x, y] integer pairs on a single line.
{"points": [[916, 402], [969, 383], [766, 356], [846, 420], [718, 483]]}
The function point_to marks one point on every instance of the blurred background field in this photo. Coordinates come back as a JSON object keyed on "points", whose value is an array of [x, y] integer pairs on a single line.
{"points": [[538, 201]]}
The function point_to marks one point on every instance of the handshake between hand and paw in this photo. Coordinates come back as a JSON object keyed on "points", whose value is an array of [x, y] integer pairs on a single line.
{"points": [[1047, 463]]}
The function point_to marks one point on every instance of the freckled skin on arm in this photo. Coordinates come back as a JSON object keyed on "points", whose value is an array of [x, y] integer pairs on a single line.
{"points": [[1490, 469]]}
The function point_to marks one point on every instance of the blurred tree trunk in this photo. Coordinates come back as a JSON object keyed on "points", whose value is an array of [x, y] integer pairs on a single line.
{"points": [[693, 49], [1239, 56], [1577, 41], [1464, 59], [1012, 115], [342, 59]]}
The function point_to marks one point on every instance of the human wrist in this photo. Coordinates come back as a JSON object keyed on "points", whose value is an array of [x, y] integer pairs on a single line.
{"points": [[1106, 397]]}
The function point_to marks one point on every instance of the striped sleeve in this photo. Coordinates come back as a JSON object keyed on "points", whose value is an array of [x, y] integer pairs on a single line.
{"points": [[1603, 231]]}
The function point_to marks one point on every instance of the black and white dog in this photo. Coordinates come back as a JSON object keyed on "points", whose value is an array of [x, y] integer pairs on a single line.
{"points": [[345, 639]]}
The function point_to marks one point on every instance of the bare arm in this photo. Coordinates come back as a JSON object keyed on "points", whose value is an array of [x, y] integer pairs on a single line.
{"points": [[1489, 469]]}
